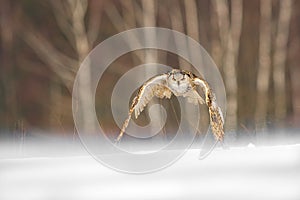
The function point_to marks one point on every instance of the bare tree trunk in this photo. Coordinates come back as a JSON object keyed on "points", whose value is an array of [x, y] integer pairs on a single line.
{"points": [[7, 74], [134, 17], [77, 17], [151, 56], [176, 19], [56, 109], [264, 69], [192, 29], [95, 16], [79, 9], [149, 19], [191, 16], [130, 18], [192, 25], [230, 32], [216, 46], [281, 42], [70, 16], [231, 59], [222, 10]]}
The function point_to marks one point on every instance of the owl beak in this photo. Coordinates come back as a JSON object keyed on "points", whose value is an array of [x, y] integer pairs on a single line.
{"points": [[178, 82]]}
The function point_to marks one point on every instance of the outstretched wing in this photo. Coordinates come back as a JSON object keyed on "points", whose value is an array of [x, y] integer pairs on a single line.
{"points": [[216, 122], [215, 113], [156, 86]]}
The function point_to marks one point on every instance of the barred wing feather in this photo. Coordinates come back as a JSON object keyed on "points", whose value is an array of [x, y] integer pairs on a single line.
{"points": [[155, 86]]}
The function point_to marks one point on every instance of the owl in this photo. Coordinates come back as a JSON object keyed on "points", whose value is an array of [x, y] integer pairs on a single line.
{"points": [[179, 83]]}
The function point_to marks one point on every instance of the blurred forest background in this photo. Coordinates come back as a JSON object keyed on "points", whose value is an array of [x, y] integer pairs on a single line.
{"points": [[255, 44]]}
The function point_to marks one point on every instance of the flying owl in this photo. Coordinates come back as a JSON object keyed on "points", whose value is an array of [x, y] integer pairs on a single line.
{"points": [[180, 83]]}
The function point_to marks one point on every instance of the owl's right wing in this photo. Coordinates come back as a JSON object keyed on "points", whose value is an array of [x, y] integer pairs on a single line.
{"points": [[156, 86]]}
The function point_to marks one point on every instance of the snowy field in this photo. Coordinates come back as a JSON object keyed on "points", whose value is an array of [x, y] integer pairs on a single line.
{"points": [[238, 173]]}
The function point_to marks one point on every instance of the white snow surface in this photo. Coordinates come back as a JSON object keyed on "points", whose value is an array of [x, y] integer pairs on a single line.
{"points": [[237, 173]]}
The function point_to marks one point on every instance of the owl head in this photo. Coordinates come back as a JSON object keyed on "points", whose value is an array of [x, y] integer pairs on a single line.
{"points": [[178, 77]]}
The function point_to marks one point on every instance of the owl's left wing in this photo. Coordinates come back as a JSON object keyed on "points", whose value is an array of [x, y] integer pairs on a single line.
{"points": [[215, 113]]}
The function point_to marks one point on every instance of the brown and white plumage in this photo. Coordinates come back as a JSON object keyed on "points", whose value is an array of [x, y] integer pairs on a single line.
{"points": [[215, 113], [179, 83]]}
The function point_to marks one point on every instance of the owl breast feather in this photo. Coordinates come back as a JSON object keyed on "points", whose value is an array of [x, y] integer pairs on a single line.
{"points": [[180, 89]]}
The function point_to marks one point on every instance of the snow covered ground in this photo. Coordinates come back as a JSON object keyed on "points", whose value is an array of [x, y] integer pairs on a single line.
{"points": [[237, 173]]}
